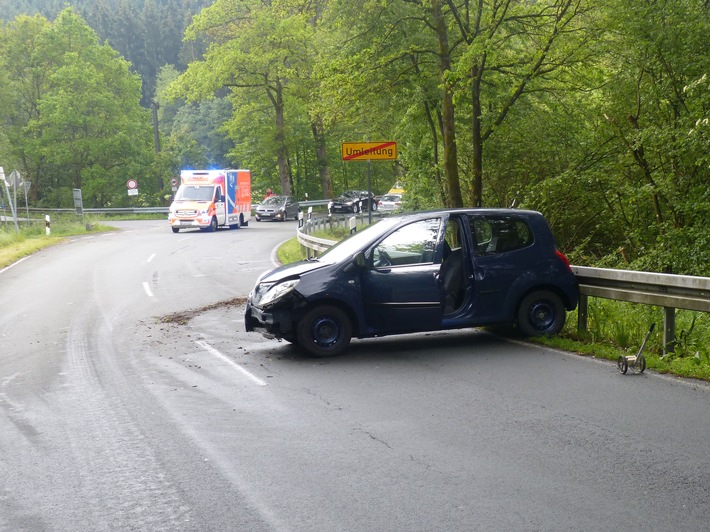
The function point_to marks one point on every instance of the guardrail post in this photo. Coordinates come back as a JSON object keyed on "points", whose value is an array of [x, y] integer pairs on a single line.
{"points": [[668, 330], [582, 313]]}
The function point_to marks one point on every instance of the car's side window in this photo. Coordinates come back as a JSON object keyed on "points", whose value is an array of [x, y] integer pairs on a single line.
{"points": [[414, 243], [499, 234]]}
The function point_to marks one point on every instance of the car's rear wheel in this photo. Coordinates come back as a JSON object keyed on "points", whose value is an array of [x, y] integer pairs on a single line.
{"points": [[541, 313], [324, 331]]}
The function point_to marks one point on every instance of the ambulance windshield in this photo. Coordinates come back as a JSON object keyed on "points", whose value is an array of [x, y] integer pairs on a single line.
{"points": [[195, 193]]}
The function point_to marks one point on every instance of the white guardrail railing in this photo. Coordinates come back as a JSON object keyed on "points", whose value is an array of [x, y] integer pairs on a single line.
{"points": [[664, 290]]}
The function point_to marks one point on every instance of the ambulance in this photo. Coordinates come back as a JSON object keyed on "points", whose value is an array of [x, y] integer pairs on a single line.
{"points": [[208, 199]]}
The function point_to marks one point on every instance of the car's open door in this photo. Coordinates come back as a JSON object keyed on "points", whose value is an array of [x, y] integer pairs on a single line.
{"points": [[400, 286]]}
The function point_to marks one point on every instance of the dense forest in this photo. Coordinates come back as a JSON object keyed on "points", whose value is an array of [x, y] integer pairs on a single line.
{"points": [[595, 112]]}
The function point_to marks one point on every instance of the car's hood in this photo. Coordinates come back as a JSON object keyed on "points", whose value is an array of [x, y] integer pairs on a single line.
{"points": [[291, 270]]}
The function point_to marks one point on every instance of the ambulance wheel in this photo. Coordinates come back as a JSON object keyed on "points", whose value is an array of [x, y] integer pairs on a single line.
{"points": [[213, 225], [175, 229], [641, 363], [622, 364]]}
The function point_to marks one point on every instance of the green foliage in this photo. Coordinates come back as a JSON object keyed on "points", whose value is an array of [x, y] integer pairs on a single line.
{"points": [[78, 122], [593, 112]]}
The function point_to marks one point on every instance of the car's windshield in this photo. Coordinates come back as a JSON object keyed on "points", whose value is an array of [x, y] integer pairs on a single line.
{"points": [[273, 200], [390, 197], [350, 194], [195, 193], [345, 249]]}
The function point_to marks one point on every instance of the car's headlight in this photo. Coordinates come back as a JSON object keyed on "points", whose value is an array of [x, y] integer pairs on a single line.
{"points": [[278, 291]]}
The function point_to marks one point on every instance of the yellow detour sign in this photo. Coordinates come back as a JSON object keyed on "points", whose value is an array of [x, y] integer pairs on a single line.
{"points": [[362, 151]]}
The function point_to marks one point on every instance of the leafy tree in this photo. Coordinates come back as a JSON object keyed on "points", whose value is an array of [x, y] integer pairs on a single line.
{"points": [[256, 50], [79, 123]]}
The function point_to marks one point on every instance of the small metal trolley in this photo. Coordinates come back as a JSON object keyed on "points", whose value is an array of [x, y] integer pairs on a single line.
{"points": [[637, 362]]}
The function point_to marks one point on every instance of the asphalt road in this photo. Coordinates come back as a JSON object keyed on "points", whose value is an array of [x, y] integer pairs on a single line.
{"points": [[132, 399]]}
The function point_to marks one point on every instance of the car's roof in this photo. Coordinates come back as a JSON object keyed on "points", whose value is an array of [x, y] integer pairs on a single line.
{"points": [[473, 211]]}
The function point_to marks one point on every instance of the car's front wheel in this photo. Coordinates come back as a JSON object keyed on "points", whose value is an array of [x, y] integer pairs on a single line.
{"points": [[541, 313], [324, 331]]}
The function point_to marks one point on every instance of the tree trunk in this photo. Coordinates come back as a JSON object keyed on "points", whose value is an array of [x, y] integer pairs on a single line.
{"points": [[281, 150], [447, 109], [476, 140], [326, 182]]}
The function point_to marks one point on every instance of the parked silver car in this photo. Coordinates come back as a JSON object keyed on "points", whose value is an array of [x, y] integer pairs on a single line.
{"points": [[389, 203]]}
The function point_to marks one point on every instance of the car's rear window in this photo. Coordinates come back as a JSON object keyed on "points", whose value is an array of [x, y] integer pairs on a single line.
{"points": [[499, 234]]}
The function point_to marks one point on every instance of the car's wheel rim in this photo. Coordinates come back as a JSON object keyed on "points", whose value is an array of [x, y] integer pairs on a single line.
{"points": [[326, 331], [542, 315]]}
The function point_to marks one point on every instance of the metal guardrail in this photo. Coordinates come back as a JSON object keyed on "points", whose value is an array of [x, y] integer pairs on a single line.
{"points": [[668, 291], [659, 289], [159, 210], [314, 244]]}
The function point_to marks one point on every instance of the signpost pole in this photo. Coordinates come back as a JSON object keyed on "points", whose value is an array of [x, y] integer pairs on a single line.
{"points": [[369, 194], [9, 199]]}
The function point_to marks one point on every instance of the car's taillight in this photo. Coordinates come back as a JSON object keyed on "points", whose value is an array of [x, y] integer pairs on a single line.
{"points": [[564, 258]]}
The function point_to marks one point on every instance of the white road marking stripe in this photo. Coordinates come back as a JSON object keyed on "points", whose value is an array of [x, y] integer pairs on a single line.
{"points": [[207, 347], [147, 289], [151, 257]]}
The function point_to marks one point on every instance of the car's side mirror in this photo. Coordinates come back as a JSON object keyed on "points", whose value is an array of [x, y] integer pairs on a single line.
{"points": [[358, 261]]}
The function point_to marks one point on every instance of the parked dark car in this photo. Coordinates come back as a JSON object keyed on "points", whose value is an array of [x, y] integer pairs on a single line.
{"points": [[420, 272], [280, 208], [353, 201]]}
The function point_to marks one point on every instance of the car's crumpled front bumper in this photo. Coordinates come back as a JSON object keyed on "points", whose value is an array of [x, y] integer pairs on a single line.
{"points": [[276, 321]]}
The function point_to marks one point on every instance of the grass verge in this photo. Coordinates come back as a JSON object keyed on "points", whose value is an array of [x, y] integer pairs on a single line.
{"points": [[15, 245]]}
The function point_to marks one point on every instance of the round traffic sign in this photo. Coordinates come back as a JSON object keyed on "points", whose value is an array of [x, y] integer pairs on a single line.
{"points": [[132, 183]]}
